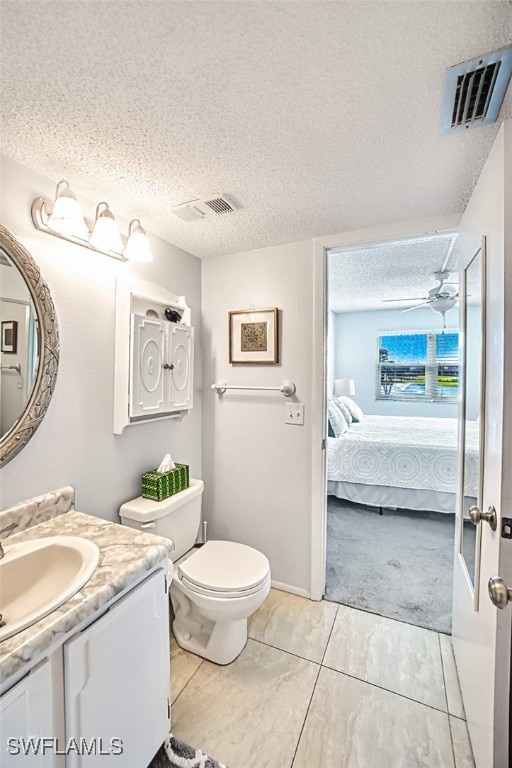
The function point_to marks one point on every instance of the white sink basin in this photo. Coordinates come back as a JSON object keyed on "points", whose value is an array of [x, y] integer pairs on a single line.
{"points": [[37, 576]]}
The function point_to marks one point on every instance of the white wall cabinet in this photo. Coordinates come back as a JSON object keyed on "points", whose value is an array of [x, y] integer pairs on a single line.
{"points": [[102, 697], [161, 365], [154, 357]]}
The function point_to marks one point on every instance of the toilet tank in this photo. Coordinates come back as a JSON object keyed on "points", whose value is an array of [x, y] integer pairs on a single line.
{"points": [[177, 518]]}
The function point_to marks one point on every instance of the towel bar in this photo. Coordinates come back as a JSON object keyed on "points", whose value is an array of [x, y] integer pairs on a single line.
{"points": [[287, 388]]}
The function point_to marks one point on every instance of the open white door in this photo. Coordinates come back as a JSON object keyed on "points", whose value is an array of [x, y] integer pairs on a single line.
{"points": [[482, 632]]}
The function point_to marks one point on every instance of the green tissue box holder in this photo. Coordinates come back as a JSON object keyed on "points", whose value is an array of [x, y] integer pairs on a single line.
{"points": [[160, 485]]}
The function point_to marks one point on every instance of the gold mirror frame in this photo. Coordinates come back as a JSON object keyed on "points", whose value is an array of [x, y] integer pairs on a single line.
{"points": [[48, 349]]}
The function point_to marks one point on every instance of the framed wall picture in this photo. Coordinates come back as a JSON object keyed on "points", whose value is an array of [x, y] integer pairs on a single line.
{"points": [[253, 336], [9, 336]]}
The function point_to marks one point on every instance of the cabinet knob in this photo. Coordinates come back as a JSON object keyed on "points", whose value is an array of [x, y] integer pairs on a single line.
{"points": [[168, 367]]}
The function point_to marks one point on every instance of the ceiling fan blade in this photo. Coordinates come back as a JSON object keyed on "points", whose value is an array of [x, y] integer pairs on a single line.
{"points": [[416, 306], [407, 298]]}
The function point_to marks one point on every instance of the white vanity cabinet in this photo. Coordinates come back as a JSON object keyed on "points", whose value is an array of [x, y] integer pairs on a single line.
{"points": [[116, 680], [28, 714], [161, 366], [103, 695]]}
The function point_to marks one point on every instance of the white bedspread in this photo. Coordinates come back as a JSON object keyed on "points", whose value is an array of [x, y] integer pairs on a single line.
{"points": [[405, 452]]}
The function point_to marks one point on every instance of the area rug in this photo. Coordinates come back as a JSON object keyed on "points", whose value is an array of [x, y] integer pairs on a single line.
{"points": [[398, 564], [176, 754]]}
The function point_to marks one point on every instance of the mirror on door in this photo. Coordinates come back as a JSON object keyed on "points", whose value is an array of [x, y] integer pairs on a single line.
{"points": [[473, 330]]}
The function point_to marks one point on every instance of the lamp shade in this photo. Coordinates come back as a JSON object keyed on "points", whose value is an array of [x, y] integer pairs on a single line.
{"points": [[106, 235], [137, 247], [344, 387], [67, 217]]}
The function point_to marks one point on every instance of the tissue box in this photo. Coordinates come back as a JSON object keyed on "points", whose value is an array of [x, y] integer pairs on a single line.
{"points": [[160, 485]]}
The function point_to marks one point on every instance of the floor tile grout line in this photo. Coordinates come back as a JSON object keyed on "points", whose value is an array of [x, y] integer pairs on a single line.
{"points": [[443, 672], [451, 741], [305, 716], [381, 688], [446, 699], [459, 717], [353, 677], [330, 635], [283, 650], [194, 673]]}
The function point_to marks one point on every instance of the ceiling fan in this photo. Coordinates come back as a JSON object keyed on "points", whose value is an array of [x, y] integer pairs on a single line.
{"points": [[441, 298]]}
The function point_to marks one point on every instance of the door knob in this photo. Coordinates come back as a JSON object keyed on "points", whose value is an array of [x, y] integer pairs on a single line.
{"points": [[488, 517], [499, 593]]}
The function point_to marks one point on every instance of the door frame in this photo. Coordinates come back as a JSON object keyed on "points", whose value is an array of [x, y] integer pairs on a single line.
{"points": [[357, 238]]}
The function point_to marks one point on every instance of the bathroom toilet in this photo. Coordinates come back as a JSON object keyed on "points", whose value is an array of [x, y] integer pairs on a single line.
{"points": [[215, 587]]}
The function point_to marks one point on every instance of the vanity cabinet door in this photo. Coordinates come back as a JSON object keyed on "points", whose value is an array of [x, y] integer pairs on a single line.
{"points": [[117, 681], [27, 717]]}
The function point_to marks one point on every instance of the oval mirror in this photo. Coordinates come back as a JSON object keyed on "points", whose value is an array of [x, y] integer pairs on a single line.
{"points": [[29, 350]]}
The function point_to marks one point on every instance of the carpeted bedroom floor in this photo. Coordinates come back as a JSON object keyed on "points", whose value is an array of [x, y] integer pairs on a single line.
{"points": [[398, 564]]}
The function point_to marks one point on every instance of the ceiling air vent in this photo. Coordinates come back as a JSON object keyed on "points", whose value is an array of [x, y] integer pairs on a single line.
{"points": [[220, 205], [195, 210], [474, 91]]}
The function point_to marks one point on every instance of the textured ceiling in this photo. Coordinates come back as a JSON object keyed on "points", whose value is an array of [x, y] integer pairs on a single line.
{"points": [[317, 116], [360, 279]]}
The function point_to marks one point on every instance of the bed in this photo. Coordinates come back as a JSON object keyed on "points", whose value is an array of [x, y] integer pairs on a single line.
{"points": [[402, 462]]}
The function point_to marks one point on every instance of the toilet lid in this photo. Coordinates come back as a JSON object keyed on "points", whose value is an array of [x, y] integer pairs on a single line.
{"points": [[225, 566]]}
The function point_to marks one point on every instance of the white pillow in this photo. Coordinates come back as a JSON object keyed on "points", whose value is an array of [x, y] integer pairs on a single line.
{"points": [[355, 411], [338, 402], [336, 419]]}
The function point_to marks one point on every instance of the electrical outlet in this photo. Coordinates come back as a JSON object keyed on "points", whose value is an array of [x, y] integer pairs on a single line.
{"points": [[294, 414]]}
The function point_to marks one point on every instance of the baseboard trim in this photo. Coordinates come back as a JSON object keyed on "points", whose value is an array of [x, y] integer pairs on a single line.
{"points": [[288, 588]]}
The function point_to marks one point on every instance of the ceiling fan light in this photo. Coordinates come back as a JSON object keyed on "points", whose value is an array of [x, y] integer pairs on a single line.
{"points": [[67, 217], [443, 304]]}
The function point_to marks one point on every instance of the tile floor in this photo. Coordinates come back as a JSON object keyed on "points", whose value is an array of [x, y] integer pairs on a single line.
{"points": [[321, 685]]}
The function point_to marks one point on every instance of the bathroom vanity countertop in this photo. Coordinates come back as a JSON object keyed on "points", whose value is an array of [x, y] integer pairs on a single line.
{"points": [[126, 555]]}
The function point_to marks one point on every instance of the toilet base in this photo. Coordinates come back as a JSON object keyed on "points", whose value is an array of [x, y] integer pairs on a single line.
{"points": [[222, 643]]}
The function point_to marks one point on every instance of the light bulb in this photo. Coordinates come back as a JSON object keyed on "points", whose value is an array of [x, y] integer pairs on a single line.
{"points": [[137, 247], [67, 217], [106, 235]]}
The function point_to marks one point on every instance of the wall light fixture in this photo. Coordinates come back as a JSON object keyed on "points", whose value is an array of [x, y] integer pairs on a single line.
{"points": [[65, 219]]}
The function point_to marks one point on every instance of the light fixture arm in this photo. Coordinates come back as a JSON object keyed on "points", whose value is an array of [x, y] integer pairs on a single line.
{"points": [[105, 212], [62, 181], [130, 225]]}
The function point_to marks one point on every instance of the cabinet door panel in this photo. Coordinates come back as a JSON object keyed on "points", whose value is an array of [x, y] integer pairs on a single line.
{"points": [[117, 681], [146, 366], [26, 712], [179, 382]]}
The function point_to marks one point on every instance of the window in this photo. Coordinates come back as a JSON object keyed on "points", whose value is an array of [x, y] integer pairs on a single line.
{"points": [[417, 365]]}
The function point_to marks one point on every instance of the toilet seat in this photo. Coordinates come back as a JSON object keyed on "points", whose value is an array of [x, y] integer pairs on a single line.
{"points": [[224, 569]]}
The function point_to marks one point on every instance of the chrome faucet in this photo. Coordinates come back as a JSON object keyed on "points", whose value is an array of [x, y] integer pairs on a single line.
{"points": [[3, 530]]}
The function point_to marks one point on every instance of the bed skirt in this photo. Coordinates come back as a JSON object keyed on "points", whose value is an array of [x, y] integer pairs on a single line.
{"points": [[386, 496]]}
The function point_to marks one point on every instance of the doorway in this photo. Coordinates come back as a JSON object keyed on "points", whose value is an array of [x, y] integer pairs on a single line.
{"points": [[391, 403]]}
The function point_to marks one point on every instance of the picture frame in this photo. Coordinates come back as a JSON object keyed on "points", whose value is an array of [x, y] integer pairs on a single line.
{"points": [[9, 343], [254, 336]]}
